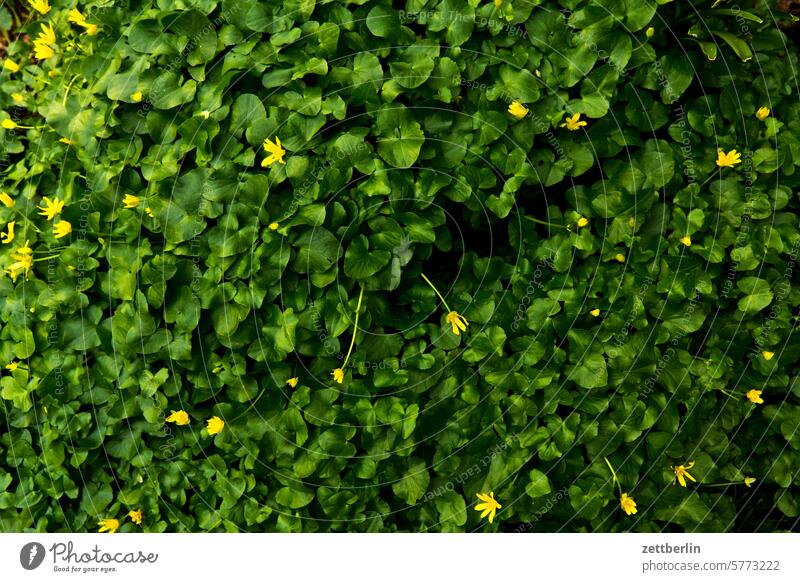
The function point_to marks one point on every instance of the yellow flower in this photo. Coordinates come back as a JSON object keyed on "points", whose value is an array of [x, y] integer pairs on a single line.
{"points": [[754, 396], [582, 222], [650, 32], [51, 207], [595, 312], [42, 51], [40, 5], [131, 201], [338, 375], [762, 113], [214, 425], [8, 124], [619, 257], [47, 36], [682, 473], [205, 114], [292, 382], [276, 152], [627, 504], [517, 109], [76, 17], [109, 525], [686, 240], [7, 200], [768, 355], [728, 160], [66, 140], [458, 322], [10, 65], [273, 226], [149, 212], [18, 98], [79, 19], [179, 417], [489, 507], [136, 516], [24, 259], [137, 96], [7, 237], [574, 123], [749, 481], [12, 366], [62, 228], [498, 2]]}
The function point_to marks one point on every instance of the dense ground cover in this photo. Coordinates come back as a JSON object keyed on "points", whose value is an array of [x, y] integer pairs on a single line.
{"points": [[362, 265]]}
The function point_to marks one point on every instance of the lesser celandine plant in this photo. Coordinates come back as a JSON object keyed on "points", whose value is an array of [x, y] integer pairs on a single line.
{"points": [[571, 226]]}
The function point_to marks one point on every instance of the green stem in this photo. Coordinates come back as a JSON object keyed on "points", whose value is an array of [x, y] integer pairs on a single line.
{"points": [[428, 281], [614, 475], [251, 405], [355, 328], [537, 221]]}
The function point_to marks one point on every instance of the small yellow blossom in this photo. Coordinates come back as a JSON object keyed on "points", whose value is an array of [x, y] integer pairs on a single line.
{"points": [[8, 124], [754, 396], [51, 207], [749, 481], [76, 17], [149, 212], [595, 312], [24, 260], [682, 473], [205, 114], [62, 228], [43, 43], [292, 382], [276, 152], [728, 160], [131, 201], [498, 3], [136, 516], [7, 200], [66, 140], [8, 237], [217, 369], [12, 366], [650, 32], [582, 222], [489, 506], [18, 98], [768, 355], [273, 226], [457, 321], [762, 113], [136, 97], [214, 425], [109, 525], [338, 375], [574, 123], [686, 240], [10, 66], [627, 504], [40, 5], [619, 257], [179, 417], [517, 109]]}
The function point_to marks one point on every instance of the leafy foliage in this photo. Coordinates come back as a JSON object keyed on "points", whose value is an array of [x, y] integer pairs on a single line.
{"points": [[623, 291]]}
